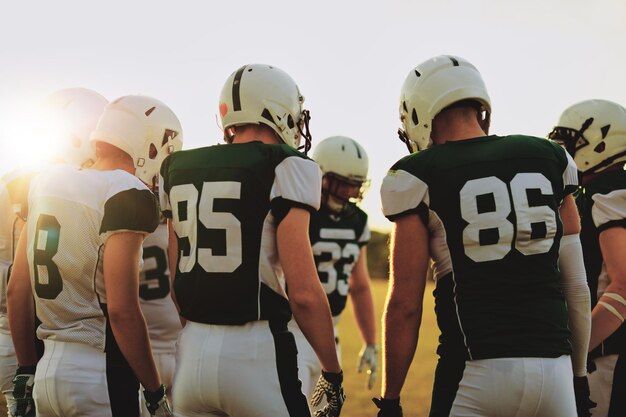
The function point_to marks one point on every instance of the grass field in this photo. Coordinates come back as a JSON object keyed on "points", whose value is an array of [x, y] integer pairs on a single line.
{"points": [[417, 389]]}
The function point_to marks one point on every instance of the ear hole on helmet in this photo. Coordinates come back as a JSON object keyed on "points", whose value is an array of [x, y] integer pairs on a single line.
{"points": [[267, 115], [168, 135], [404, 106], [605, 130], [600, 147], [152, 154], [414, 117], [290, 122]]}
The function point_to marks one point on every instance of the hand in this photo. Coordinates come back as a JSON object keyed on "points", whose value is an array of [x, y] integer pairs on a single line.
{"points": [[367, 356], [581, 392], [388, 408], [23, 383], [156, 402], [329, 385]]}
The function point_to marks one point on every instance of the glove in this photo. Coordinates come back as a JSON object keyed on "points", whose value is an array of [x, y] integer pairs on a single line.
{"points": [[156, 402], [388, 408], [329, 385], [23, 383], [581, 392], [367, 356]]}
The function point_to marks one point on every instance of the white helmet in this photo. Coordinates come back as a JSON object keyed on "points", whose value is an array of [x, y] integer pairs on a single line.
{"points": [[431, 87], [594, 133], [144, 128], [264, 94], [342, 160], [69, 116]]}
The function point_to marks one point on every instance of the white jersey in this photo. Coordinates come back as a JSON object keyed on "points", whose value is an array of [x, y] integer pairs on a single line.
{"points": [[71, 215], [154, 293]]}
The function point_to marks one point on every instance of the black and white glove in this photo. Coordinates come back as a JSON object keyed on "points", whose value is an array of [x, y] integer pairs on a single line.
{"points": [[367, 356], [388, 408], [329, 386], [23, 404], [581, 392], [156, 402]]}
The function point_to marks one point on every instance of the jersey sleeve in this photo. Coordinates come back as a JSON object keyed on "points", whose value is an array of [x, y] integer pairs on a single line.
{"points": [[164, 200], [609, 210], [403, 193], [570, 176], [164, 188], [297, 183], [18, 184], [365, 236], [130, 210]]}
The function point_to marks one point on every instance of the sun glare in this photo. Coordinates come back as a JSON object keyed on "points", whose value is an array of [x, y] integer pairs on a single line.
{"points": [[24, 141]]}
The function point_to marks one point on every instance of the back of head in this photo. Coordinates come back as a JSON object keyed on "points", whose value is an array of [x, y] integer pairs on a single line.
{"points": [[433, 86], [144, 128], [594, 133], [343, 162], [263, 94], [68, 117]]}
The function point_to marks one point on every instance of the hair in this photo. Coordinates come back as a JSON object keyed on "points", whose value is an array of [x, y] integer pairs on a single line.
{"points": [[230, 133], [106, 150]]}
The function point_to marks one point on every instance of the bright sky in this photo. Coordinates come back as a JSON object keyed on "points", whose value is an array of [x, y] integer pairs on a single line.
{"points": [[349, 58]]}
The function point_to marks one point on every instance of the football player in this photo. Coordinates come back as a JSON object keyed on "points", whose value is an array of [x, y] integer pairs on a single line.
{"points": [[594, 133], [491, 212], [10, 227], [339, 234], [79, 257], [240, 214], [67, 117], [157, 305]]}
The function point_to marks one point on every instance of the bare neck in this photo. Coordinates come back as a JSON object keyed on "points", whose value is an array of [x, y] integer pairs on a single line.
{"points": [[110, 163], [255, 133], [456, 124]]}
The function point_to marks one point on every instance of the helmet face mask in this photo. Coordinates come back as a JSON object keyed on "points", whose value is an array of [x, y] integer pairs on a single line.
{"points": [[594, 133], [433, 86], [144, 128], [263, 94], [345, 166]]}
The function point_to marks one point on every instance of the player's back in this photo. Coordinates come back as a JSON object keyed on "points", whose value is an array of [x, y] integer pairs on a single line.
{"points": [[226, 202], [71, 214], [491, 205]]}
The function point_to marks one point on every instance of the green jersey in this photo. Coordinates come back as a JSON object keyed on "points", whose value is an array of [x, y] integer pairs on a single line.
{"points": [[336, 243], [491, 207], [602, 205], [226, 203]]}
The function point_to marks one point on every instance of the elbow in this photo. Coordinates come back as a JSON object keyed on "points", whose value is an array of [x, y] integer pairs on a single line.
{"points": [[305, 301], [119, 316], [403, 312]]}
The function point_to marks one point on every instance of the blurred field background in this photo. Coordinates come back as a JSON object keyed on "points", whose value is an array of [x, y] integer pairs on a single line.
{"points": [[418, 386]]}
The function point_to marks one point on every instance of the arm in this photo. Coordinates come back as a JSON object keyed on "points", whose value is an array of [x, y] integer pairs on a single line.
{"points": [[574, 284], [361, 296], [611, 306], [172, 261], [121, 279], [403, 309], [306, 296], [21, 306]]}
